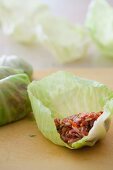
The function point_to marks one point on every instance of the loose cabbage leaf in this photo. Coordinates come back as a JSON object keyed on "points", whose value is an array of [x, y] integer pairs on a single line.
{"points": [[34, 23], [65, 40], [19, 19], [99, 22], [14, 101], [16, 63], [62, 94]]}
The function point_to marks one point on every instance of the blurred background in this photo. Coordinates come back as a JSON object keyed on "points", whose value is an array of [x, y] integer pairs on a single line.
{"points": [[42, 58]]}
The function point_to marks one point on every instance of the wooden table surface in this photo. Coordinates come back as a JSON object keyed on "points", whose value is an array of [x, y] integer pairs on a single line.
{"points": [[22, 146]]}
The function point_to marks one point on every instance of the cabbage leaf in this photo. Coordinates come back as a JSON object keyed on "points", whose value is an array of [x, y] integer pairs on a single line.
{"points": [[62, 94]]}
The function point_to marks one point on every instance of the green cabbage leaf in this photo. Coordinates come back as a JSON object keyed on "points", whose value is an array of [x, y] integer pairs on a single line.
{"points": [[14, 100], [99, 22], [63, 94], [31, 22], [16, 63]]}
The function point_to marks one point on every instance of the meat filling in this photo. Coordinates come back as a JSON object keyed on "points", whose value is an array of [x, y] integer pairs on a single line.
{"points": [[75, 127]]}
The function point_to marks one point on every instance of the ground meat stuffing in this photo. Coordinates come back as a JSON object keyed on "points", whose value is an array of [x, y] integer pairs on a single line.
{"points": [[75, 127]]}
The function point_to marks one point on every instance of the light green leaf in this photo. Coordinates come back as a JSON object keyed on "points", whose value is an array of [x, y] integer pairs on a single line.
{"points": [[62, 94], [19, 19], [99, 22], [33, 23], [65, 40]]}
